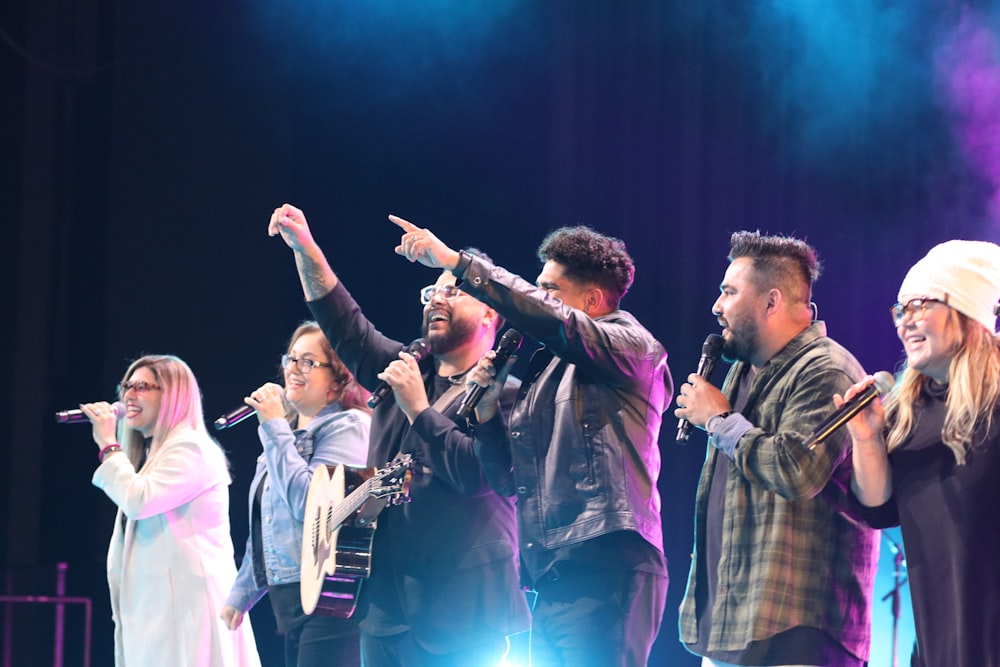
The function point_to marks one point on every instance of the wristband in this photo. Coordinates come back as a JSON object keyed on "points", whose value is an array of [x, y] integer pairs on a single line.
{"points": [[109, 449]]}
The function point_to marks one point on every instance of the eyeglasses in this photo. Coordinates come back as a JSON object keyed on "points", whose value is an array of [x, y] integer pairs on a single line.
{"points": [[139, 386], [304, 365], [915, 308], [447, 291]]}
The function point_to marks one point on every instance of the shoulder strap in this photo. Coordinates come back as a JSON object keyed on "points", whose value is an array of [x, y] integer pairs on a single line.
{"points": [[447, 398]]}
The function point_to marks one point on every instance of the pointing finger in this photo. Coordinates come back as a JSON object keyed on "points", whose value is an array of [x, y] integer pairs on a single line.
{"points": [[405, 225]]}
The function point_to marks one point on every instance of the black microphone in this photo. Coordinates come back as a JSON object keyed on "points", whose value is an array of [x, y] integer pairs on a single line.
{"points": [[234, 417], [419, 349], [77, 416], [711, 350], [508, 345], [844, 414]]}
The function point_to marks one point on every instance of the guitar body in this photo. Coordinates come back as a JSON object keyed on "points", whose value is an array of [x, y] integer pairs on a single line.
{"points": [[338, 530]]}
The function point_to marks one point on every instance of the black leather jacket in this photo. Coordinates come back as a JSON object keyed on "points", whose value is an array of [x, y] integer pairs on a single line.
{"points": [[580, 449]]}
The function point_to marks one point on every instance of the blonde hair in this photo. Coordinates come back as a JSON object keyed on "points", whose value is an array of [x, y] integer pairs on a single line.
{"points": [[973, 389], [180, 403]]}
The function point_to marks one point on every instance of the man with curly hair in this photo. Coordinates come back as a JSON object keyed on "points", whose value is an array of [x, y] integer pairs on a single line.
{"points": [[580, 449], [782, 571]]}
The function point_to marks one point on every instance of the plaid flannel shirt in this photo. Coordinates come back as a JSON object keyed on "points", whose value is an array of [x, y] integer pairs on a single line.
{"points": [[792, 555]]}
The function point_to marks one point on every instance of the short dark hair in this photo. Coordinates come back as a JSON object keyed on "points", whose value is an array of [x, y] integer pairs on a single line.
{"points": [[590, 257], [785, 262]]}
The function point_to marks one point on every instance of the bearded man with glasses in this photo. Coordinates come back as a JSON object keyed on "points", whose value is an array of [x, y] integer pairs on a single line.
{"points": [[444, 588]]}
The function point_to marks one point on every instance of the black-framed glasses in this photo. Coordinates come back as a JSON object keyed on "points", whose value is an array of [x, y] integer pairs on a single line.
{"points": [[915, 308], [140, 386], [304, 365], [447, 291]]}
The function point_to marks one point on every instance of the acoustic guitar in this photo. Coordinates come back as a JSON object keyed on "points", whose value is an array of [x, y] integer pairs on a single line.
{"points": [[341, 510]]}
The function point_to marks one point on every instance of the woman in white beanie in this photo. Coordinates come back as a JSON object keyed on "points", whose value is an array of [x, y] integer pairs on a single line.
{"points": [[927, 457]]}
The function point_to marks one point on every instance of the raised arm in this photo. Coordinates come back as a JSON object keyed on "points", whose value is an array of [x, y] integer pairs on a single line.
{"points": [[418, 244], [317, 278]]}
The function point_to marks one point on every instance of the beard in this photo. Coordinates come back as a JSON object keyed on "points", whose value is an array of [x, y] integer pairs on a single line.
{"points": [[743, 341], [457, 333]]}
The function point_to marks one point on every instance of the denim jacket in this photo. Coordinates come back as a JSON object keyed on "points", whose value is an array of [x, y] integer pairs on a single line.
{"points": [[288, 460]]}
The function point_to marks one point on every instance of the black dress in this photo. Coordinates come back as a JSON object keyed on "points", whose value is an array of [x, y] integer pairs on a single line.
{"points": [[948, 514]]}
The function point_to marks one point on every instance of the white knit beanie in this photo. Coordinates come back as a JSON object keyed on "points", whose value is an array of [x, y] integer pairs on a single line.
{"points": [[965, 274]]}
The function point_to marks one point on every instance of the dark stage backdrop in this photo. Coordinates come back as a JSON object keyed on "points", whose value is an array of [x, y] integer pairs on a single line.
{"points": [[145, 145]]}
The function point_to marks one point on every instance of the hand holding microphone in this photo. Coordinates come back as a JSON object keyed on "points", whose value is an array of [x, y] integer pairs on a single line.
{"points": [[711, 350], [267, 402], [102, 415], [81, 416], [418, 349], [509, 343], [855, 399]]}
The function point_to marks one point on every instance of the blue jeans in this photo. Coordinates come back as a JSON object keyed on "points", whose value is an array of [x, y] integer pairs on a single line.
{"points": [[597, 618]]}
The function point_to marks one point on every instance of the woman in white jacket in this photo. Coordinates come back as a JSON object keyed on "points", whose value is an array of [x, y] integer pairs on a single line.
{"points": [[170, 563]]}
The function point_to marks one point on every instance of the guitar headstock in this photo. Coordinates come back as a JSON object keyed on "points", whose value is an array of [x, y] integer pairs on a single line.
{"points": [[393, 481]]}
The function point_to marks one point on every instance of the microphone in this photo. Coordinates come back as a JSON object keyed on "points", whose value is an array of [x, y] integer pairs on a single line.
{"points": [[419, 349], [77, 416], [711, 350], [234, 417], [508, 345], [844, 414]]}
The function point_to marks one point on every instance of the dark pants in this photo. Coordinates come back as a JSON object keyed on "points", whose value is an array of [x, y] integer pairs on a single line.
{"points": [[402, 650], [313, 641], [597, 618]]}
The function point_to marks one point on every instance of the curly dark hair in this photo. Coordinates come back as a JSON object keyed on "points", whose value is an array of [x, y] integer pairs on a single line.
{"points": [[590, 257], [785, 262]]}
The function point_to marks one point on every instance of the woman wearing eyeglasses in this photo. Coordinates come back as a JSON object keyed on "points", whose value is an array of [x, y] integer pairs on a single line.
{"points": [[319, 418], [927, 457], [170, 563]]}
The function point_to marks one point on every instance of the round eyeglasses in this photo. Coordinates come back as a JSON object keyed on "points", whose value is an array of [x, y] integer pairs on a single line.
{"points": [[304, 365], [447, 291], [916, 309]]}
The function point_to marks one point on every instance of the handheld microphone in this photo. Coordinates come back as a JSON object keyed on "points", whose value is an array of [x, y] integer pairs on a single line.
{"points": [[419, 349], [77, 416], [508, 345], [711, 350], [843, 414], [234, 417]]}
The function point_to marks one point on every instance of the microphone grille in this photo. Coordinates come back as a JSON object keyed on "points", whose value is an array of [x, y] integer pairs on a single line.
{"points": [[884, 381], [511, 340], [418, 348], [712, 347]]}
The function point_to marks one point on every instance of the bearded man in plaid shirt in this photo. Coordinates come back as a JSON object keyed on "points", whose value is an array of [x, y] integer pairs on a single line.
{"points": [[782, 574]]}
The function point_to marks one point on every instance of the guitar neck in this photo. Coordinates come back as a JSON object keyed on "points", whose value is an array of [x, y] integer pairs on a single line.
{"points": [[350, 504]]}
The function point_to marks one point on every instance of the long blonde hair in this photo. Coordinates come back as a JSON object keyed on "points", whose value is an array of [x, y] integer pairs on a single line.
{"points": [[180, 403], [973, 389]]}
